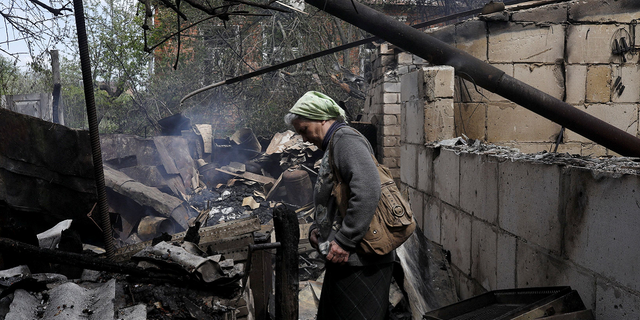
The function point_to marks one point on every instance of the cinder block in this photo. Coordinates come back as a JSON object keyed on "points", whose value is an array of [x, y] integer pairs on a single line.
{"points": [[390, 119], [412, 86], [621, 11], [621, 116], [456, 237], [479, 186], [546, 78], [527, 147], [510, 122], [529, 202], [419, 61], [405, 58], [593, 150], [446, 34], [588, 43], [598, 84], [395, 172], [391, 130], [613, 302], [630, 78], [413, 118], [416, 200], [446, 183], [470, 119], [391, 87], [471, 37], [554, 13], [488, 95], [393, 152], [390, 162], [602, 224], [438, 82], [518, 42], [391, 108], [506, 261], [402, 70], [483, 254], [465, 287], [425, 169], [385, 48], [576, 83], [570, 148], [432, 219], [391, 141], [390, 97], [538, 269], [439, 122], [408, 164]]}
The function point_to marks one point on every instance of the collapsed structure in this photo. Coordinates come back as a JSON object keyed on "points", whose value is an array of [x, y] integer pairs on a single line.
{"points": [[482, 204]]}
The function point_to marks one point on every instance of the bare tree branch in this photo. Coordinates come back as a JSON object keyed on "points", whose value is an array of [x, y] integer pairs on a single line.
{"points": [[55, 12]]}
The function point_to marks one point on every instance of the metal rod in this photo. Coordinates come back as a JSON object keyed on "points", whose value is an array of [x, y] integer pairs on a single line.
{"points": [[264, 246], [96, 152], [483, 74]]}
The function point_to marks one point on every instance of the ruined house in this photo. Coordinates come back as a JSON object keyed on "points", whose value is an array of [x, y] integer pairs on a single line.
{"points": [[516, 200], [512, 220]]}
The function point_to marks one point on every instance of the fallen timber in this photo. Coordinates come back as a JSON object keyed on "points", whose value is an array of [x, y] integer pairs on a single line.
{"points": [[83, 261], [481, 73]]}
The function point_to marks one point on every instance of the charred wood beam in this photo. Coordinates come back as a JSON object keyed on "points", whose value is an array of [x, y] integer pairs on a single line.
{"points": [[481, 73], [285, 223], [82, 260]]}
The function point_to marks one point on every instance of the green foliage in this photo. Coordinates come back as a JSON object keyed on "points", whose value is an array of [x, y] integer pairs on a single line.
{"points": [[119, 68], [15, 81], [215, 53]]}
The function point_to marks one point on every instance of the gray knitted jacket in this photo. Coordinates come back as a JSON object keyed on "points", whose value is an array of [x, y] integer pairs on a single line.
{"points": [[352, 158]]}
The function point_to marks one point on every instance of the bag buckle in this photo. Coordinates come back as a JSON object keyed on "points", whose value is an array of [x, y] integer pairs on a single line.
{"points": [[398, 211]]}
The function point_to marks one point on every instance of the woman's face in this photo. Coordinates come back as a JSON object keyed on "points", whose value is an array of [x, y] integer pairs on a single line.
{"points": [[311, 130]]}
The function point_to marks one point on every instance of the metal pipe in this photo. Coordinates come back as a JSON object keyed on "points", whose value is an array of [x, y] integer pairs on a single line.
{"points": [[94, 135], [481, 73]]}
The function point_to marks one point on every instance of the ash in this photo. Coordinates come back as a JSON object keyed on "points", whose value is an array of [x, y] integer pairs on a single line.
{"points": [[617, 166]]}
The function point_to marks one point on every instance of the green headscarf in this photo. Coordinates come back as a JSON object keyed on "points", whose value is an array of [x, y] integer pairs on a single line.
{"points": [[315, 105]]}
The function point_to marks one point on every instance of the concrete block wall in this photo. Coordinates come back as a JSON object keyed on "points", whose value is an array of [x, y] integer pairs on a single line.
{"points": [[509, 222], [563, 49], [514, 223]]}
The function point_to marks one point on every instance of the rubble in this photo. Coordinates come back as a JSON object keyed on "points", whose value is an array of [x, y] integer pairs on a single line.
{"points": [[192, 216], [612, 165]]}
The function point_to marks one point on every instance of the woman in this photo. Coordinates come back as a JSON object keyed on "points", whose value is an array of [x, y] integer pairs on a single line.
{"points": [[356, 285]]}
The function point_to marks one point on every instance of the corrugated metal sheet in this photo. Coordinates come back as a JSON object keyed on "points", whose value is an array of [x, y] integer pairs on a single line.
{"points": [[70, 301]]}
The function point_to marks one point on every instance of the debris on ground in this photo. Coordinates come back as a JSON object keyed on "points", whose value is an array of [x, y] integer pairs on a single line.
{"points": [[189, 213]]}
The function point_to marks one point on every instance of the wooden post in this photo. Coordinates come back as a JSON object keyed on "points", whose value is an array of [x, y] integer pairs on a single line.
{"points": [[285, 222], [55, 69]]}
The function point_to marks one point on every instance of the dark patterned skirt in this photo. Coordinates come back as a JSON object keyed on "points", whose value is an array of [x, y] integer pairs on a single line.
{"points": [[355, 292]]}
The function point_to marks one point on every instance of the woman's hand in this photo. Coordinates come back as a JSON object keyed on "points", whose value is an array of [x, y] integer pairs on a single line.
{"points": [[313, 238], [337, 254]]}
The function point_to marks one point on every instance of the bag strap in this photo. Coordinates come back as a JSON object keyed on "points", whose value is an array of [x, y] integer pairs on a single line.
{"points": [[331, 161], [334, 170]]}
